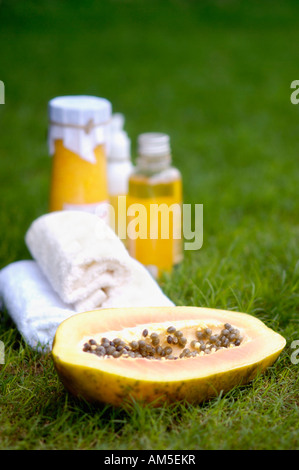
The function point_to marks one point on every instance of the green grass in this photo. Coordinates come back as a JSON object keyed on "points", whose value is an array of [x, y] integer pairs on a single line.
{"points": [[216, 76]]}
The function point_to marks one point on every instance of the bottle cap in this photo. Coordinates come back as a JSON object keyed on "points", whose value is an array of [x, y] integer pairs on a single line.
{"points": [[117, 122], [153, 144], [120, 146]]}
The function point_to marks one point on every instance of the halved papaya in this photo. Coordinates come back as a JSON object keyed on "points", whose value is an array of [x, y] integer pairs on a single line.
{"points": [[161, 354]]}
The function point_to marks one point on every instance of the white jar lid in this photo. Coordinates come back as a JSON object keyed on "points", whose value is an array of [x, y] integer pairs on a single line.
{"points": [[79, 110], [81, 122]]}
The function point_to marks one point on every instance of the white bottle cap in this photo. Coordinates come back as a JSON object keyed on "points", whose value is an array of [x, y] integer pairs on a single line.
{"points": [[120, 146], [117, 122], [81, 122], [153, 144]]}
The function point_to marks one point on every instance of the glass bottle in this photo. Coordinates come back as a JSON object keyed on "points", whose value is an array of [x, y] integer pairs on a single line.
{"points": [[154, 206]]}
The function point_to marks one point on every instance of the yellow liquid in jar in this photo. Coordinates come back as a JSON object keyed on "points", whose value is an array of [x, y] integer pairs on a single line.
{"points": [[159, 255], [76, 181]]}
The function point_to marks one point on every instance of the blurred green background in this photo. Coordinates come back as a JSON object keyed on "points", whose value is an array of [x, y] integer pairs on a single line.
{"points": [[215, 75]]}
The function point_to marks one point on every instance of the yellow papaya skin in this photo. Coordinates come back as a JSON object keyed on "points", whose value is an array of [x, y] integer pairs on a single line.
{"points": [[196, 379]]}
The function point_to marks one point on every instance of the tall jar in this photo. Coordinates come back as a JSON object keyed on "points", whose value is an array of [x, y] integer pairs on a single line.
{"points": [[154, 206], [78, 139]]}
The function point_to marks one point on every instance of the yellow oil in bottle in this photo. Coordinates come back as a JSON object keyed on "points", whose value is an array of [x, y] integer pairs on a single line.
{"points": [[155, 213]]}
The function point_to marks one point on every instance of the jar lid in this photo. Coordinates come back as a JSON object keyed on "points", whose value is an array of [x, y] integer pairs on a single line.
{"points": [[153, 144], [80, 122], [79, 110]]}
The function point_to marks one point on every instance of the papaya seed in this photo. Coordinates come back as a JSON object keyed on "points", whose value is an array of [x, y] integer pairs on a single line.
{"points": [[199, 334], [110, 350], [100, 350], [134, 345], [171, 329], [168, 350], [178, 333], [205, 343], [116, 354], [155, 341], [116, 341], [182, 341], [213, 339], [225, 332], [154, 335]]}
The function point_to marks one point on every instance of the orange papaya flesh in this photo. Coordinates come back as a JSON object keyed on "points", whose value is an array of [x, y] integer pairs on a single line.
{"points": [[193, 379]]}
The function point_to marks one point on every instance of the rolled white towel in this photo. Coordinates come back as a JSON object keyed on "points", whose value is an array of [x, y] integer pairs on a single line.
{"points": [[87, 265], [80, 265], [31, 303], [79, 255]]}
